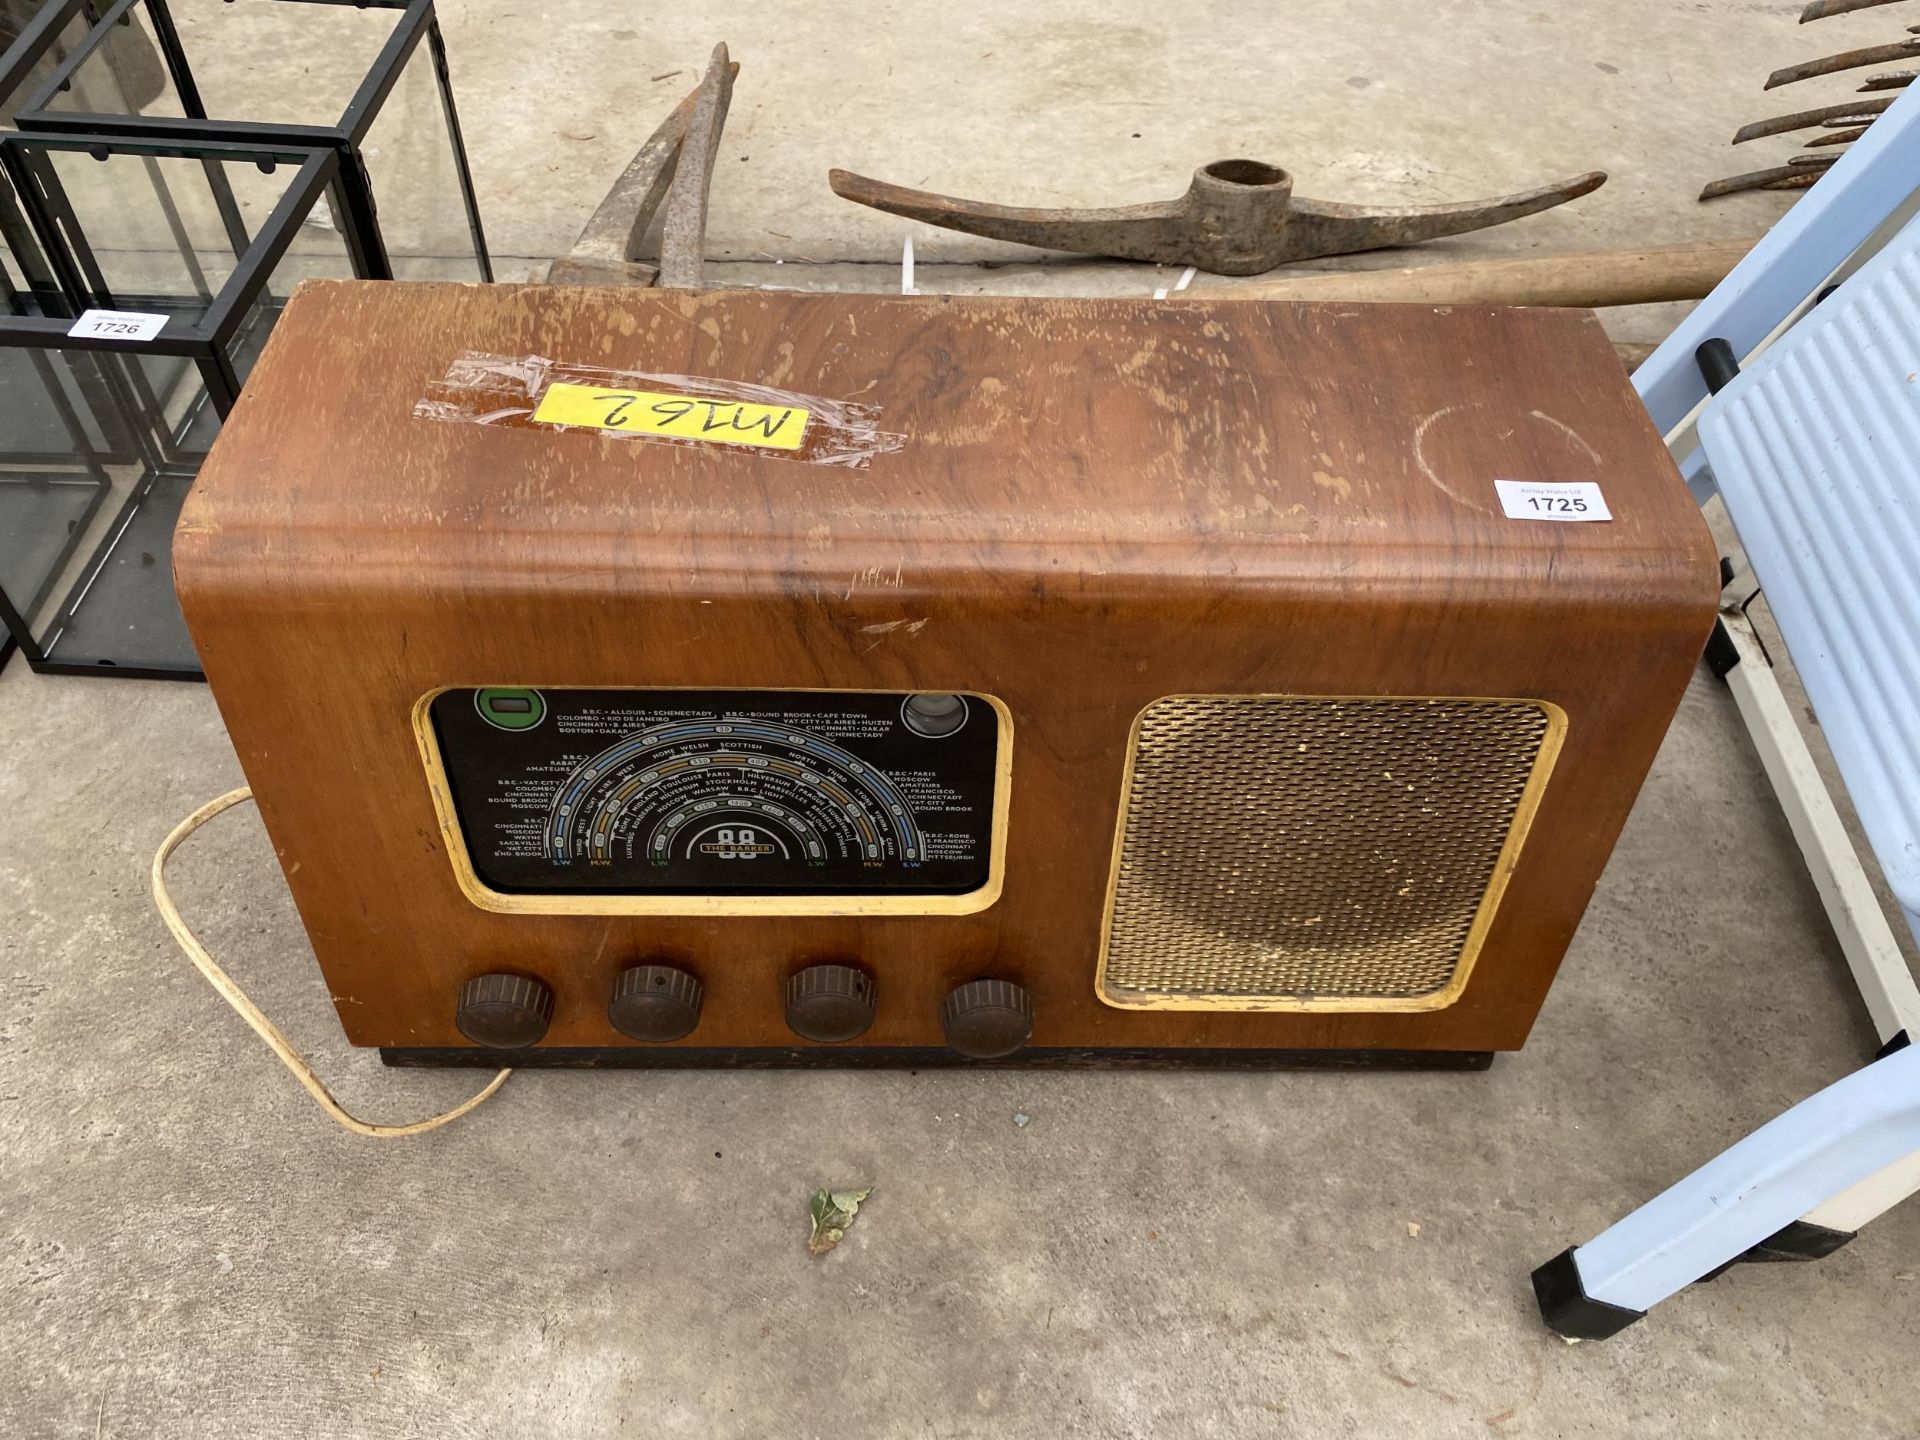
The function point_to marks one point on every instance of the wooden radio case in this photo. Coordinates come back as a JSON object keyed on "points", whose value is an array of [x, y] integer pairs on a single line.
{"points": [[1071, 681]]}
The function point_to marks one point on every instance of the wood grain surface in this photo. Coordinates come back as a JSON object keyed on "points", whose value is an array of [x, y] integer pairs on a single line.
{"points": [[1097, 503]]}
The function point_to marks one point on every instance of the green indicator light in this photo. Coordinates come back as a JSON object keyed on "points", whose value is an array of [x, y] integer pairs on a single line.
{"points": [[507, 709]]}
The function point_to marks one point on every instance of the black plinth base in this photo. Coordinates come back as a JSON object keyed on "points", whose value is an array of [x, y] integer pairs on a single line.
{"points": [[928, 1057]]}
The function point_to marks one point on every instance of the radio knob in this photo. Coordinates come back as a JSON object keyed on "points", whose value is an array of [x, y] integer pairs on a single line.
{"points": [[829, 1003], [505, 1012], [655, 1002], [985, 1019]]}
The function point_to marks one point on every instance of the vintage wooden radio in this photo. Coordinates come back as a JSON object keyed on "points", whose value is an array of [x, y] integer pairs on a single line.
{"points": [[660, 678]]}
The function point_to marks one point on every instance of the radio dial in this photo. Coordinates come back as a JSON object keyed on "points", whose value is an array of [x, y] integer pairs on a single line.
{"points": [[505, 1012], [985, 1019], [829, 1003], [655, 1003]]}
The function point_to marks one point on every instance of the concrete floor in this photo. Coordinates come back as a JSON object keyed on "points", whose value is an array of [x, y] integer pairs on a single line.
{"points": [[188, 1248]]}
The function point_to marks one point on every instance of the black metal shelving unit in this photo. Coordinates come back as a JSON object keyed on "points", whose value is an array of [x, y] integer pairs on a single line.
{"points": [[104, 435], [139, 180]]}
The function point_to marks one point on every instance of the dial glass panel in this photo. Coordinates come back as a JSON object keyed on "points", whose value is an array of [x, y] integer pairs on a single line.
{"points": [[709, 792]]}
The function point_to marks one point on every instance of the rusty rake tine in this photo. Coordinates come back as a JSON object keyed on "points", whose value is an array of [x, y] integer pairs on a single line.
{"points": [[1823, 9], [1845, 60], [1858, 112], [1777, 177]]}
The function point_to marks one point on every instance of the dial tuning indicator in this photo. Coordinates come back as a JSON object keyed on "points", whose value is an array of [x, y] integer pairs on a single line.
{"points": [[735, 792]]}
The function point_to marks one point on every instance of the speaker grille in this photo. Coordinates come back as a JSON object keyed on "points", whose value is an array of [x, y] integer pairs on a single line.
{"points": [[1284, 852]]}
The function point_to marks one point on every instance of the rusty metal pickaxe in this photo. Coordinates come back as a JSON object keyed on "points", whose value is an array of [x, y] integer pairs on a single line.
{"points": [[675, 165], [1238, 217]]}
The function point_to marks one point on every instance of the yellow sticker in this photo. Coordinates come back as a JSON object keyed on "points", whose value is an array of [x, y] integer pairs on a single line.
{"points": [[685, 417]]}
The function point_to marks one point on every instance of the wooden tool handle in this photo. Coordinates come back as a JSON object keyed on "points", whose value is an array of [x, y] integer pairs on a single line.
{"points": [[1590, 280]]}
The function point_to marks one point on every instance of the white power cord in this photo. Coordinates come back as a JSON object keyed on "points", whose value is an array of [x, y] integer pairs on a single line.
{"points": [[251, 1013]]}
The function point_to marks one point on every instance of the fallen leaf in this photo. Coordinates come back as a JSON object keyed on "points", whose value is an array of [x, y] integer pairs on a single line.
{"points": [[832, 1211]]}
